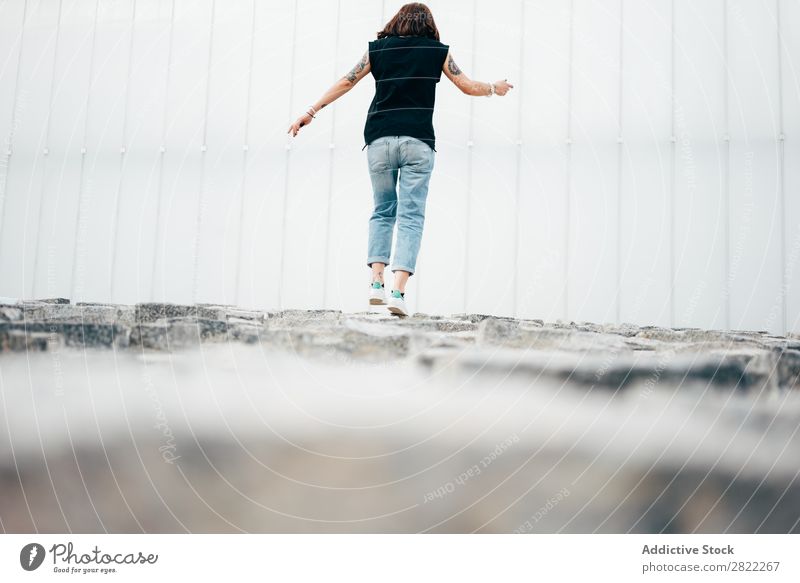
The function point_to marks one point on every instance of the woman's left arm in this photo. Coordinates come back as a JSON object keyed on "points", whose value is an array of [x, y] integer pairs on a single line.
{"points": [[338, 89]]}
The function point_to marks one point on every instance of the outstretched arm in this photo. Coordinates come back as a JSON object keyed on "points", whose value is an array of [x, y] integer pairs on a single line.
{"points": [[467, 85], [336, 90]]}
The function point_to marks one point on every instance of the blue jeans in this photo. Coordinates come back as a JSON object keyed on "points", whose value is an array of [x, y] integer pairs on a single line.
{"points": [[411, 160]]}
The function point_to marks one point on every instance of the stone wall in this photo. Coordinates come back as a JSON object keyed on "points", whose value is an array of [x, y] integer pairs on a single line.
{"points": [[167, 418]]}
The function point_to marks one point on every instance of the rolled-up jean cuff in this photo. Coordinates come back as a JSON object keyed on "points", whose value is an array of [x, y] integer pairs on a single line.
{"points": [[377, 259], [403, 268]]}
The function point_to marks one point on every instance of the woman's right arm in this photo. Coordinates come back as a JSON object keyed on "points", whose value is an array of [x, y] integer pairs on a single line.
{"points": [[467, 85]]}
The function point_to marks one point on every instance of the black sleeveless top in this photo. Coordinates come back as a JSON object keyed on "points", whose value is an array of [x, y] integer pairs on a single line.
{"points": [[406, 71]]}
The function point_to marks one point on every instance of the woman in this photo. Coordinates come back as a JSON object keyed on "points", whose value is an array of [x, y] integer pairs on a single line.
{"points": [[406, 60]]}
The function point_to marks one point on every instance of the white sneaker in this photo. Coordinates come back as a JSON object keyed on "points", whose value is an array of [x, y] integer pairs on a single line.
{"points": [[377, 294], [397, 303]]}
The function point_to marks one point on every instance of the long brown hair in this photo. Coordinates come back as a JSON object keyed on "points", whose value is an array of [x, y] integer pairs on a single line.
{"points": [[413, 19]]}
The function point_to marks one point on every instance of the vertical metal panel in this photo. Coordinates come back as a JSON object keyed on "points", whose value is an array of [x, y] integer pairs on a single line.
{"points": [[48, 137], [544, 96], [12, 15], [245, 156], [620, 145], [105, 149], [755, 245], [782, 299], [646, 128], [470, 162], [62, 177], [269, 118], [518, 131], [594, 182], [86, 101], [138, 196], [306, 211], [326, 233], [159, 194], [441, 265], [568, 160], [284, 207], [25, 169], [672, 161], [791, 184], [492, 226], [726, 177], [350, 188], [201, 211], [202, 196], [114, 241], [220, 206], [789, 23], [182, 169], [12, 26], [699, 246]]}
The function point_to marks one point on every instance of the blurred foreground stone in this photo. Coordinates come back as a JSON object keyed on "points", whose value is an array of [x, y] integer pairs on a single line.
{"points": [[168, 418]]}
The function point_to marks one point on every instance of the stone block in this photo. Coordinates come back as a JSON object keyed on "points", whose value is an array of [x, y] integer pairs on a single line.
{"points": [[22, 341], [150, 312], [166, 336]]}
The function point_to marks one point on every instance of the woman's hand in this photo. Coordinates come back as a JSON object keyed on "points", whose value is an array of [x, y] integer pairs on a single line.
{"points": [[502, 87], [303, 120]]}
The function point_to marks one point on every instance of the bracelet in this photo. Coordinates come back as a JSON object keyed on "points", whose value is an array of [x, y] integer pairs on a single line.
{"points": [[313, 111], [491, 90]]}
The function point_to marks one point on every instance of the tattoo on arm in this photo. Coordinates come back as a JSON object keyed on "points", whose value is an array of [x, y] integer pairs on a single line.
{"points": [[353, 74], [452, 67]]}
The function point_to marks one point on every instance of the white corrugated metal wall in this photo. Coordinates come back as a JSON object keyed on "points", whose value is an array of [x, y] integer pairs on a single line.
{"points": [[645, 169]]}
